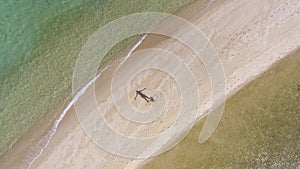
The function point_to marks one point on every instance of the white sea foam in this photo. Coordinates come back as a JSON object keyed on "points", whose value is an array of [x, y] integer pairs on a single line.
{"points": [[37, 150]]}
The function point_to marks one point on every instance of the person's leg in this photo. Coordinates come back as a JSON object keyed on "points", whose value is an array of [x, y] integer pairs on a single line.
{"points": [[145, 98]]}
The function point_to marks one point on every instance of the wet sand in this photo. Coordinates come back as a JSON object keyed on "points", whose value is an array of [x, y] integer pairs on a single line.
{"points": [[249, 36], [259, 128]]}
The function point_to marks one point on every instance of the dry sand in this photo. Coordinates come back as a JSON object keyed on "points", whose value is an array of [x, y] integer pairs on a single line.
{"points": [[250, 36]]}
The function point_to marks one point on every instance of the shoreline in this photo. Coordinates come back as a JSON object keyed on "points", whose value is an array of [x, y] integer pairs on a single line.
{"points": [[258, 119], [236, 88], [44, 81], [57, 122], [52, 122], [237, 79]]}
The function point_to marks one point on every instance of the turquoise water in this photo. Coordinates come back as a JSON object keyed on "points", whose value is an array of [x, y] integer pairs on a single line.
{"points": [[39, 43], [20, 23]]}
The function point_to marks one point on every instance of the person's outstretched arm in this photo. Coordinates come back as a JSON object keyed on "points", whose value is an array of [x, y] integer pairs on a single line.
{"points": [[135, 95]]}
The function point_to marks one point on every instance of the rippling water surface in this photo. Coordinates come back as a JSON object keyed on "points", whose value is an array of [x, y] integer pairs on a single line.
{"points": [[39, 43]]}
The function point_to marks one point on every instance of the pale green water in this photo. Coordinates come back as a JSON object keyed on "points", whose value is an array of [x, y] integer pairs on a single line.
{"points": [[39, 43], [260, 127]]}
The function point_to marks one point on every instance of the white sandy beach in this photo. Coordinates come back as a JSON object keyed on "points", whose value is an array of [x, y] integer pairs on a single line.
{"points": [[250, 36]]}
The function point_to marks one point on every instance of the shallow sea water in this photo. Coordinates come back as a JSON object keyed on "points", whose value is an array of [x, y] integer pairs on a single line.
{"points": [[259, 129], [39, 44]]}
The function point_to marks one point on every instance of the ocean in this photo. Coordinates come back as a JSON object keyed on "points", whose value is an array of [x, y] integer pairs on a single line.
{"points": [[259, 128], [39, 44]]}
